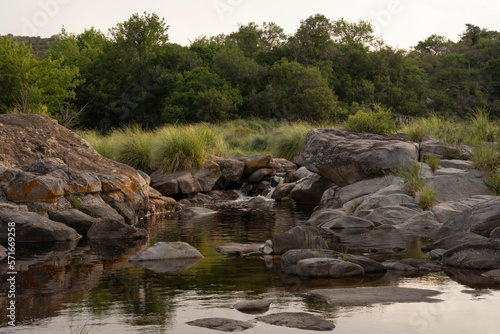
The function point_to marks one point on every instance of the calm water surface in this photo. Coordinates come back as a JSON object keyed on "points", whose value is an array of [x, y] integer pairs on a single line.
{"points": [[65, 288]]}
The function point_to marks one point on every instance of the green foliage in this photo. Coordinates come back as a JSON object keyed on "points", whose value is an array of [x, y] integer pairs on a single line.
{"points": [[426, 197], [355, 205], [135, 147], [378, 121], [432, 161], [288, 140], [413, 178]]}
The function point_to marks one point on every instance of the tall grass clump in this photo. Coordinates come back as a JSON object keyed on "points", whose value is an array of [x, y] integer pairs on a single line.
{"points": [[418, 130], [379, 121], [426, 197], [288, 140], [107, 145], [486, 157], [135, 147], [413, 178], [432, 161], [185, 147], [492, 181]]}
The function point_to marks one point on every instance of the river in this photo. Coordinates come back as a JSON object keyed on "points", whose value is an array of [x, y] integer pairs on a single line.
{"points": [[85, 287]]}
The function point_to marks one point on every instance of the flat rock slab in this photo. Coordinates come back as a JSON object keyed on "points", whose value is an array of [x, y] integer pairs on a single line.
{"points": [[167, 266], [234, 249], [253, 306], [299, 320], [221, 324], [374, 295]]}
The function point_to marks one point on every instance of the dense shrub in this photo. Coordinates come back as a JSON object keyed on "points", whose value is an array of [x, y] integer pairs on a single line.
{"points": [[378, 121]]}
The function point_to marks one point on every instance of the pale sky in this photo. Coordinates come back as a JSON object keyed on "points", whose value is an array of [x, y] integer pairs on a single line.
{"points": [[400, 23]]}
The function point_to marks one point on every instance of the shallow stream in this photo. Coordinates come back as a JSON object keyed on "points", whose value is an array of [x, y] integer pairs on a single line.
{"points": [[83, 286]]}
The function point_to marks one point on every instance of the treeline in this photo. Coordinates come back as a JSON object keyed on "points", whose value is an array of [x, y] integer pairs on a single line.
{"points": [[325, 71]]}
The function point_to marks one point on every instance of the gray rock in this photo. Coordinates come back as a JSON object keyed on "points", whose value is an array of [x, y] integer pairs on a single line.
{"points": [[31, 227], [254, 162], [495, 274], [457, 239], [231, 172], [391, 215], [458, 164], [495, 234], [393, 200], [448, 210], [362, 296], [253, 306], [297, 175], [282, 191], [110, 229], [94, 205], [240, 250], [298, 237], [75, 219], [395, 265], [268, 247], [482, 255], [221, 324], [207, 176], [436, 254], [327, 268], [378, 187], [345, 157], [281, 167], [259, 174], [310, 190], [457, 186], [481, 219], [324, 215], [444, 150], [167, 251], [299, 320], [411, 265], [424, 221], [347, 222]]}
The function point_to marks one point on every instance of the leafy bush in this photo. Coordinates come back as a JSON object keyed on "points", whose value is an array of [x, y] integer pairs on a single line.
{"points": [[378, 121], [288, 140]]}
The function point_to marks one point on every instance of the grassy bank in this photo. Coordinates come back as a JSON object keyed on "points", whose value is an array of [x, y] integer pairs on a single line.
{"points": [[173, 148]]}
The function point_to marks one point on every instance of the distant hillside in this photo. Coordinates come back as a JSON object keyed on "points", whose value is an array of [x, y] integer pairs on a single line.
{"points": [[40, 45]]}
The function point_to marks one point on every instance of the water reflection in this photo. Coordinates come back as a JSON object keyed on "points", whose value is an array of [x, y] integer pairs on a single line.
{"points": [[92, 282]]}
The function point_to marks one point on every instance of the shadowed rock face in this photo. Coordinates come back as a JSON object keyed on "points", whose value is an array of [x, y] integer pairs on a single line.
{"points": [[345, 157]]}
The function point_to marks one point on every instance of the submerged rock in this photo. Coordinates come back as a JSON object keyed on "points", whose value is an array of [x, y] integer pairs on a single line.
{"points": [[299, 320], [166, 251], [362, 296], [221, 324], [240, 250]]}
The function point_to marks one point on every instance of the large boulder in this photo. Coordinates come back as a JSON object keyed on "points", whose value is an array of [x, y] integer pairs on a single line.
{"points": [[31, 227], [281, 167], [254, 162], [478, 255], [327, 268], [391, 215], [345, 157], [44, 165]]}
